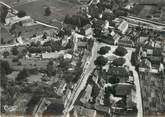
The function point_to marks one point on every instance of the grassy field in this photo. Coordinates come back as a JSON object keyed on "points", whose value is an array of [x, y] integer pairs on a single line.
{"points": [[5, 35], [59, 8]]}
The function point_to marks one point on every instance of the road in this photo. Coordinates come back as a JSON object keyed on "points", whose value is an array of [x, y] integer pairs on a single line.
{"points": [[83, 80]]}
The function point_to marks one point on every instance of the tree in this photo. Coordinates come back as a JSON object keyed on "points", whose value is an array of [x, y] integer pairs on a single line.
{"points": [[67, 19], [5, 54], [47, 11], [120, 12], [3, 79], [113, 79], [21, 14], [14, 50], [94, 11], [100, 61], [24, 52], [3, 14], [108, 16], [77, 20], [119, 61], [70, 44], [22, 75], [120, 51], [104, 50], [51, 68], [5, 67]]}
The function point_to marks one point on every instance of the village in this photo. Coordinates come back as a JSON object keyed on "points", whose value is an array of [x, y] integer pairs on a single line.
{"points": [[95, 60]]}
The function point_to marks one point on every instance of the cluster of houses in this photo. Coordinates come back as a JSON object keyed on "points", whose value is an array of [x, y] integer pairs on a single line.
{"points": [[114, 91]]}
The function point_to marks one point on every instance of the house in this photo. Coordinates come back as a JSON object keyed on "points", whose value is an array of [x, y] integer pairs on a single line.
{"points": [[116, 38], [28, 22], [123, 27], [9, 18], [118, 72], [125, 98], [109, 41], [49, 107], [103, 109], [123, 89], [81, 44], [80, 111], [33, 63], [68, 56], [87, 94], [12, 76], [50, 55], [59, 87], [87, 29], [12, 19], [155, 56], [125, 43]]}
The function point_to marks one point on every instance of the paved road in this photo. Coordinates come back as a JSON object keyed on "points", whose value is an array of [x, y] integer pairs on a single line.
{"points": [[82, 82]]}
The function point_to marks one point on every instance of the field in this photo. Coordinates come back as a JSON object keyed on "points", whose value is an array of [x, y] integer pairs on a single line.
{"points": [[143, 10], [5, 36], [59, 8], [153, 94]]}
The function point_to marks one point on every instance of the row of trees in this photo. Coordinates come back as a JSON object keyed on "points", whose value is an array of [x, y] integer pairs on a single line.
{"points": [[77, 20]]}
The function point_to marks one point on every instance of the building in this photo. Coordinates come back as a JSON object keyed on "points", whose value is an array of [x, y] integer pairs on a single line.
{"points": [[123, 89], [81, 44], [87, 94], [103, 109], [87, 29], [119, 72], [49, 107], [80, 111], [59, 87], [12, 19], [125, 43], [50, 55], [123, 27]]}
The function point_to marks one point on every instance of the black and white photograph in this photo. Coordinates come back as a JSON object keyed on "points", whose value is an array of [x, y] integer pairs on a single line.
{"points": [[82, 58]]}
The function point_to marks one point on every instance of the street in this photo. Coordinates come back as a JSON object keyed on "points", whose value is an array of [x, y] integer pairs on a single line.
{"points": [[82, 82]]}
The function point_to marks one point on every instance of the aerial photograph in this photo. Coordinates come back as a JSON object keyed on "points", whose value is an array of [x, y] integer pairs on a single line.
{"points": [[82, 58]]}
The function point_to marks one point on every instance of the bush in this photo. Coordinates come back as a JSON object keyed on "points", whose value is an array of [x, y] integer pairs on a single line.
{"points": [[21, 14], [104, 50], [119, 61], [120, 51]]}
